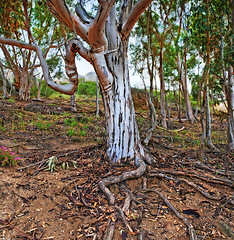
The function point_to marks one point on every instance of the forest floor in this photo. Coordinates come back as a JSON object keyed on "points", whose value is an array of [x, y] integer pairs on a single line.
{"points": [[62, 200]]}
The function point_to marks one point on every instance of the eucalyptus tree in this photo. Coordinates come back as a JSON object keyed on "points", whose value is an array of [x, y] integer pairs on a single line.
{"points": [[106, 35], [45, 28], [211, 30], [159, 22], [144, 53]]}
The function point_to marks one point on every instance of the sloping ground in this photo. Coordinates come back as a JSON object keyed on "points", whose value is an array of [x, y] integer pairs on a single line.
{"points": [[67, 204]]}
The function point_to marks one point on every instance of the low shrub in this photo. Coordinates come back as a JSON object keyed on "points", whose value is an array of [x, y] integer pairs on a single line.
{"points": [[7, 157]]}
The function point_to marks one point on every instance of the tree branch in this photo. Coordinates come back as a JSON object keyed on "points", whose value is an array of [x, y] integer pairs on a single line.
{"points": [[133, 16], [60, 10], [96, 34], [66, 89], [82, 14]]}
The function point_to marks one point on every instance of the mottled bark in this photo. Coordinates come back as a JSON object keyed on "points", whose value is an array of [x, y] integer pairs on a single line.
{"points": [[73, 103], [123, 139]]}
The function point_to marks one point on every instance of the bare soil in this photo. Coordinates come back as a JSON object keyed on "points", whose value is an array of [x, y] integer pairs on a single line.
{"points": [[65, 203]]}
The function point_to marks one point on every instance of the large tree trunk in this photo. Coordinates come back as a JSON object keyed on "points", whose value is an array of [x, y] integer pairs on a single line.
{"points": [[107, 36], [123, 139]]}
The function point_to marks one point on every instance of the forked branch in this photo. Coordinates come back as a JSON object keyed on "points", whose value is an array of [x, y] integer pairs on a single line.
{"points": [[60, 10], [96, 32], [133, 16], [82, 14], [66, 89]]}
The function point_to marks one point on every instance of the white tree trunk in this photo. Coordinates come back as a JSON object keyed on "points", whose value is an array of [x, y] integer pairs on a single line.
{"points": [[97, 98], [73, 103], [183, 81], [122, 134]]}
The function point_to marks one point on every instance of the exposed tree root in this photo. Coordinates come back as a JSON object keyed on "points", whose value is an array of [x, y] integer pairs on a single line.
{"points": [[110, 230], [121, 213], [117, 179], [199, 189], [203, 166], [225, 182], [192, 233]]}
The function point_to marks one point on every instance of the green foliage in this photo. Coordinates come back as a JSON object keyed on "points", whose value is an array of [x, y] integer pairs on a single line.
{"points": [[11, 100], [45, 90], [71, 132], [70, 122], [43, 125], [7, 157], [87, 88]]}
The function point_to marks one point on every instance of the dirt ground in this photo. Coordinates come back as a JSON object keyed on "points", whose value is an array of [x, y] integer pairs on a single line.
{"points": [[65, 202]]}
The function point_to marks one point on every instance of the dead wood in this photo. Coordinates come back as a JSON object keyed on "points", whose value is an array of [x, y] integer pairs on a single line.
{"points": [[110, 230], [192, 233], [225, 182], [178, 138], [169, 130], [199, 189], [121, 213], [227, 173]]}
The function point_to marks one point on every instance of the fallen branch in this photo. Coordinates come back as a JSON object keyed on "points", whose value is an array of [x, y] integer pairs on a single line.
{"points": [[168, 130], [199, 189], [178, 138], [203, 166], [121, 213], [110, 230], [192, 233], [225, 182]]}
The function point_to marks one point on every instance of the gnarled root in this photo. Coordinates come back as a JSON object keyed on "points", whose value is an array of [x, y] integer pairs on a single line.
{"points": [[117, 179]]}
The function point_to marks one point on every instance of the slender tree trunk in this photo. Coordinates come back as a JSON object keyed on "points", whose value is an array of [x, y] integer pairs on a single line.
{"points": [[168, 110], [39, 89], [176, 100], [229, 89], [156, 93], [5, 93], [73, 102], [183, 81], [25, 86], [179, 110], [199, 94], [146, 96], [230, 101], [162, 90], [97, 98], [206, 134]]}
